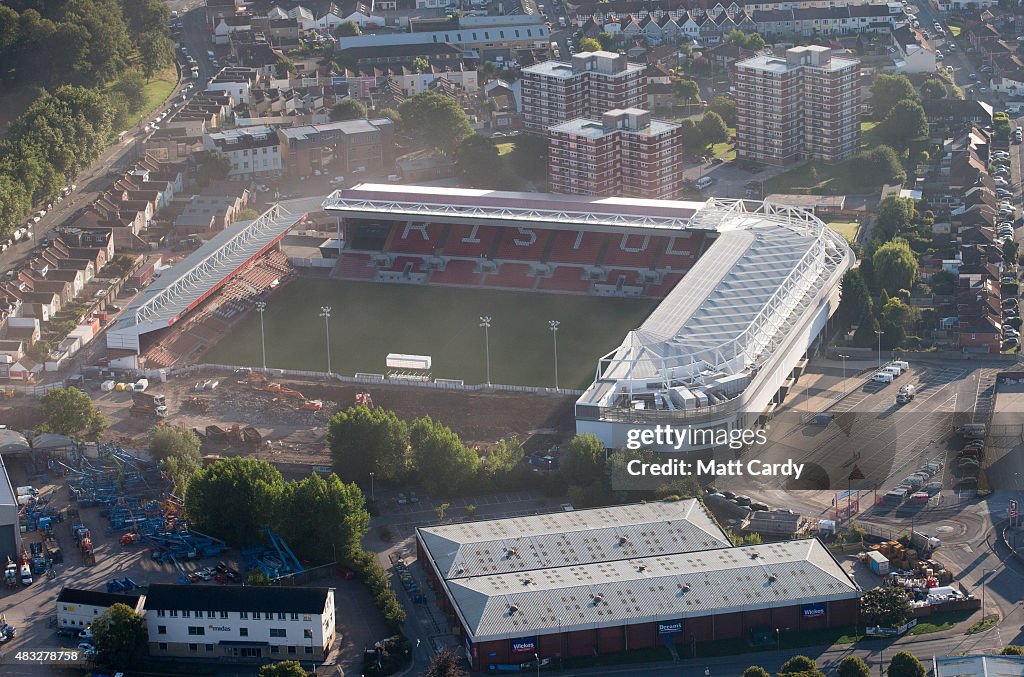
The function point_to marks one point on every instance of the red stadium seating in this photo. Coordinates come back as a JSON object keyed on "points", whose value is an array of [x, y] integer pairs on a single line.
{"points": [[480, 240], [681, 251], [661, 290], [456, 272], [354, 266], [633, 250], [565, 278], [514, 275], [576, 247], [630, 277], [413, 237], [523, 244], [400, 261]]}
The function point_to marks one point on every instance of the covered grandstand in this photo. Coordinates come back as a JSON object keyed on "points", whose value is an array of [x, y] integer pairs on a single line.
{"points": [[747, 286], [188, 284]]}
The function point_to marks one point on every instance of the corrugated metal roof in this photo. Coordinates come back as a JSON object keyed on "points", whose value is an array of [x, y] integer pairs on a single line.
{"points": [[604, 594], [571, 538]]}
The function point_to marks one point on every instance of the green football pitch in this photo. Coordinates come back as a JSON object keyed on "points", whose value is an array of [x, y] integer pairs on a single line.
{"points": [[370, 320]]}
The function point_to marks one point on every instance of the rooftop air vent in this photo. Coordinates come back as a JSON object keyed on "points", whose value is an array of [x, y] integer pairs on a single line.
{"points": [[512, 608], [772, 578], [511, 552], [623, 539], [686, 587]]}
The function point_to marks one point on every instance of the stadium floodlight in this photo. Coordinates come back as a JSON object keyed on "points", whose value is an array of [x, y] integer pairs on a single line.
{"points": [[553, 325], [325, 312], [879, 348], [485, 322], [844, 372], [260, 307]]}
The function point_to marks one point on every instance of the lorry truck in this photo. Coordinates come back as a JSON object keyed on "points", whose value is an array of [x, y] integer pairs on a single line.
{"points": [[906, 394]]}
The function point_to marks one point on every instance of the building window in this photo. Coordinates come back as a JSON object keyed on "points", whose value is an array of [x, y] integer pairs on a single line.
{"points": [[291, 650], [193, 647], [161, 629], [244, 615], [160, 613], [280, 615], [163, 646], [174, 613], [275, 649], [196, 630], [211, 614], [256, 615], [186, 614], [294, 616], [223, 614], [278, 632], [243, 632], [209, 648], [307, 633], [309, 649]]}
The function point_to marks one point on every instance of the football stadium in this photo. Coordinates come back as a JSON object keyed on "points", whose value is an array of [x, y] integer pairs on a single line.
{"points": [[742, 289], [624, 578]]}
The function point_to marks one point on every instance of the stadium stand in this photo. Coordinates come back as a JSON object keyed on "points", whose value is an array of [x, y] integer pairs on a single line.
{"points": [[565, 279], [523, 244], [457, 271], [680, 251], [661, 289], [578, 246], [470, 240], [633, 250], [511, 276], [414, 237], [354, 266]]}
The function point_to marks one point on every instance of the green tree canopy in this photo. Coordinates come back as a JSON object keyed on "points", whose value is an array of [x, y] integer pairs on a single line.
{"points": [[607, 40], [888, 90], [435, 118], [1012, 650], [712, 128], [234, 499], [346, 29], [756, 671], [686, 90], [348, 109], [341, 518], [120, 636], [798, 664], [853, 666], [177, 448], [282, 669], [588, 45], [443, 463], [881, 164], [211, 166], [887, 607], [894, 217], [906, 664], [69, 411], [365, 440], [895, 266], [476, 160], [503, 459], [752, 41], [933, 88], [446, 663], [725, 107], [905, 122], [582, 462], [855, 304]]}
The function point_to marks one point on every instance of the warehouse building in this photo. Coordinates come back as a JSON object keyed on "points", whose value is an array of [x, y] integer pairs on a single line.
{"points": [[10, 532], [622, 578], [240, 623], [78, 608]]}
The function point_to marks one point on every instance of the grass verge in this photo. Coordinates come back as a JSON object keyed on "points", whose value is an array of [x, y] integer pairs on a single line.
{"points": [[939, 622], [156, 91], [847, 229], [985, 624], [506, 147]]}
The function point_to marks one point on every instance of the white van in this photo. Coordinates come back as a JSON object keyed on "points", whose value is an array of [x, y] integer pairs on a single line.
{"points": [[905, 366], [703, 182], [882, 377], [892, 369]]}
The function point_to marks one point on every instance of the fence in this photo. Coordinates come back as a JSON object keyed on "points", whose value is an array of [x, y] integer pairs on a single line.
{"points": [[35, 390], [306, 576], [375, 379]]}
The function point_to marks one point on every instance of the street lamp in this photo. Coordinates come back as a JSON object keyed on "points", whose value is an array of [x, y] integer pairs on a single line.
{"points": [[371, 487], [325, 312], [879, 332], [536, 657], [260, 307], [553, 324], [485, 322], [844, 372]]}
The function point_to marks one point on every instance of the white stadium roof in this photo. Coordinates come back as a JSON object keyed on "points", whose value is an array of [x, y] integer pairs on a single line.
{"points": [[163, 302], [578, 537], [737, 304], [615, 588]]}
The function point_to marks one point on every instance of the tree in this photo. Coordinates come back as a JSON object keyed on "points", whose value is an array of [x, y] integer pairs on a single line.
{"points": [[887, 607], [1010, 249], [341, 518], [905, 664], [752, 41], [421, 65], [436, 119], [713, 128], [606, 39], [905, 122], [390, 114], [69, 411], [443, 463], [881, 164], [756, 671], [157, 51], [283, 668], [365, 440], [686, 90], [1012, 650], [15, 202], [120, 636], [798, 664], [346, 29], [888, 90], [446, 663], [894, 217], [233, 499], [348, 109], [589, 45], [470, 511], [933, 88], [247, 214], [442, 510], [725, 107], [853, 666], [257, 577], [865, 336], [895, 266], [504, 458], [583, 460], [855, 303], [476, 159], [211, 166], [177, 449]]}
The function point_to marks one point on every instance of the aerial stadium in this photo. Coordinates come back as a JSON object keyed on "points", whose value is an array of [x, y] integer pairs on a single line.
{"points": [[746, 287], [624, 578]]}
